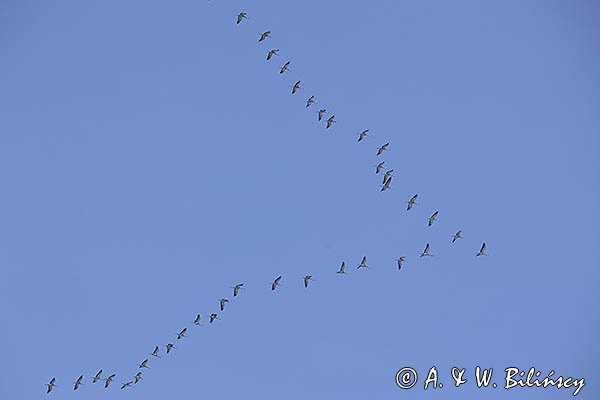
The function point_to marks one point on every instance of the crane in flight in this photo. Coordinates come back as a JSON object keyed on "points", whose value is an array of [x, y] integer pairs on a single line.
{"points": [[363, 263], [400, 260], [386, 184], [264, 35], [237, 288], [97, 377], [137, 377], [51, 385], [306, 279], [457, 235], [182, 333], [342, 269], [296, 87], [321, 112], [426, 251], [78, 382], [388, 174], [108, 380], [285, 67], [169, 347], [197, 320], [276, 282], [155, 352], [412, 202], [272, 53], [126, 385], [144, 364], [311, 100], [379, 167], [330, 121], [213, 316], [433, 218], [222, 303], [241, 16], [382, 149], [481, 251], [363, 134]]}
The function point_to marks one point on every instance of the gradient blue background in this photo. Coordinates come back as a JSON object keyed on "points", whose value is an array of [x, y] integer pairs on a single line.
{"points": [[150, 158]]}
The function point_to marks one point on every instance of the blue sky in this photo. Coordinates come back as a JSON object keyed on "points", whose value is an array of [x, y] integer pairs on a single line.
{"points": [[151, 158]]}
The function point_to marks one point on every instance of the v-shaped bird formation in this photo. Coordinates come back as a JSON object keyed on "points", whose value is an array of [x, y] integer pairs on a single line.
{"points": [[131, 381]]}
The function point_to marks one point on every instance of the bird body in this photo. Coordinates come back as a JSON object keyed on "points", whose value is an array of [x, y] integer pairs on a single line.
{"points": [[382, 149], [426, 251], [363, 263], [276, 282], [412, 202], [363, 134], [457, 235], [330, 121], [222, 303], [481, 251], [433, 218], [78, 382], [264, 35], [97, 377], [237, 288], [50, 385], [241, 16], [400, 260]]}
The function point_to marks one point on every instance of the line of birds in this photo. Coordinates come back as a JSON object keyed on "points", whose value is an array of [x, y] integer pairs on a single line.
{"points": [[386, 184]]}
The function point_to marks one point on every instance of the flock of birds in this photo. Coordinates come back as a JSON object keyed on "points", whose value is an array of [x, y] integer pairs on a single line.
{"points": [[386, 184]]}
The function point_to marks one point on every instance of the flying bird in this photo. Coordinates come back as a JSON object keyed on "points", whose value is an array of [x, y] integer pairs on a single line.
{"points": [[412, 202], [363, 134], [286, 67], [51, 385], [264, 35], [276, 282], [222, 303], [144, 364], [330, 121], [342, 268], [109, 380], [386, 184], [481, 251], [78, 382], [387, 174], [272, 53], [197, 320], [432, 218], [457, 235], [311, 100], [137, 377], [213, 316], [306, 279], [426, 251], [400, 260], [241, 16], [379, 167], [169, 346], [182, 333], [97, 377], [237, 288], [321, 112], [363, 263], [127, 384], [296, 87], [155, 352], [382, 148]]}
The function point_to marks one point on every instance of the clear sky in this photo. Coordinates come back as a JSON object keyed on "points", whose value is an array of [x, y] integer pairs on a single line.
{"points": [[151, 158]]}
